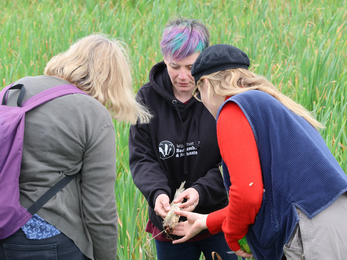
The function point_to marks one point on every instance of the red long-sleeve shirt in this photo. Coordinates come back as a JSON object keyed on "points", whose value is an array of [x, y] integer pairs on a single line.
{"points": [[239, 151]]}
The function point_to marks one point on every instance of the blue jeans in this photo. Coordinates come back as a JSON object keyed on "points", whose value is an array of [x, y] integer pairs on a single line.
{"points": [[193, 250], [18, 246]]}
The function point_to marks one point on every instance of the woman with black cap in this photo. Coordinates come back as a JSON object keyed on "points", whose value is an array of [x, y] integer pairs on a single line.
{"points": [[287, 192], [179, 144]]}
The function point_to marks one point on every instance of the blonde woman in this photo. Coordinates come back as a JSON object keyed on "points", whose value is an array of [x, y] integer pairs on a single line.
{"points": [[287, 193], [74, 134]]}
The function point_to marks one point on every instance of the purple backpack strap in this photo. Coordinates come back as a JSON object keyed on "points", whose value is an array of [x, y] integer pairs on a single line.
{"points": [[6, 88], [50, 94]]}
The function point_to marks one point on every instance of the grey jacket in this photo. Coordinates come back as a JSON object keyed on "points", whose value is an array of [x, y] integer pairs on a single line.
{"points": [[70, 134]]}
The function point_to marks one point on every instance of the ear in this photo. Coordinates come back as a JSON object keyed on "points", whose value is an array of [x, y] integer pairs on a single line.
{"points": [[206, 82], [239, 83]]}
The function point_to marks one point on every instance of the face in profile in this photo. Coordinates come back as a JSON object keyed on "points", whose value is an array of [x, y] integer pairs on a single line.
{"points": [[213, 102]]}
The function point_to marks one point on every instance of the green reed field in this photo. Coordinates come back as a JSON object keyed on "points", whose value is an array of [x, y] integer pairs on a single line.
{"points": [[300, 45]]}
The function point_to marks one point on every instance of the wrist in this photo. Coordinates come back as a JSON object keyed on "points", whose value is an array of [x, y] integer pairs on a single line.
{"points": [[203, 224]]}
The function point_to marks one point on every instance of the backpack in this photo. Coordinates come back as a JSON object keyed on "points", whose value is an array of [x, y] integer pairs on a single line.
{"points": [[12, 119]]}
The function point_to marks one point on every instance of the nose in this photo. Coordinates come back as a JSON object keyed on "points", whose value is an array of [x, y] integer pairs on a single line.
{"points": [[184, 73]]}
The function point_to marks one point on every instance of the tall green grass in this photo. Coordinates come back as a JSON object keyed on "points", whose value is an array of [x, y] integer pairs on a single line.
{"points": [[300, 45]]}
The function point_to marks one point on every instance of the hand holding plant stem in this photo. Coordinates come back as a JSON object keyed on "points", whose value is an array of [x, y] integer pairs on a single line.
{"points": [[188, 229], [195, 224], [241, 253]]}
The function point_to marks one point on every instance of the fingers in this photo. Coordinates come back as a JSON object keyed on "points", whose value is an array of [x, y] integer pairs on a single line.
{"points": [[162, 205], [187, 208], [243, 253], [191, 227], [179, 230], [181, 198], [181, 213], [167, 206], [189, 205], [181, 240], [191, 195], [162, 210]]}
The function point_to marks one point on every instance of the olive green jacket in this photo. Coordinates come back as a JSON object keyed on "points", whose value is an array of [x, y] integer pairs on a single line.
{"points": [[70, 134]]}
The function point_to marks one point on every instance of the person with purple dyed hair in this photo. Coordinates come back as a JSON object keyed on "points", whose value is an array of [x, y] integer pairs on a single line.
{"points": [[179, 144]]}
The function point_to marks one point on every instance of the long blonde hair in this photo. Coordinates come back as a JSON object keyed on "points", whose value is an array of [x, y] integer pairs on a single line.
{"points": [[99, 66], [234, 81]]}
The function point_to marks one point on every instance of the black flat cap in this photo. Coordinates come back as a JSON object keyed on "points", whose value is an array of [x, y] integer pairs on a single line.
{"points": [[219, 57]]}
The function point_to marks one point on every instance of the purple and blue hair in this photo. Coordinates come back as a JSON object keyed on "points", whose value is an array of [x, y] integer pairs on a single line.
{"points": [[182, 38]]}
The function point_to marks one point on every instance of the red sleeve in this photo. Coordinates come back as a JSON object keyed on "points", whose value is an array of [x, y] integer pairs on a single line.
{"points": [[239, 152]]}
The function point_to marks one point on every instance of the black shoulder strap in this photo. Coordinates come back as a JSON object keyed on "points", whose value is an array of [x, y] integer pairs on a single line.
{"points": [[20, 97], [50, 193]]}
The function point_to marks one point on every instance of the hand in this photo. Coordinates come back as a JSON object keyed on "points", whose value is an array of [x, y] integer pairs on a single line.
{"points": [[192, 197], [188, 229], [162, 205], [243, 253]]}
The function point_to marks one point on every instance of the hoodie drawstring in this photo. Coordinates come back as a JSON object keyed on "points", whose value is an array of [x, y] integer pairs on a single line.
{"points": [[185, 165], [197, 142]]}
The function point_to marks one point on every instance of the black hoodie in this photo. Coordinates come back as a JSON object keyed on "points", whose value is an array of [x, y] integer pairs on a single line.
{"points": [[179, 144]]}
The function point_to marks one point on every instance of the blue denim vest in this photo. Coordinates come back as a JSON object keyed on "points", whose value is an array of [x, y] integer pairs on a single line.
{"points": [[298, 170]]}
